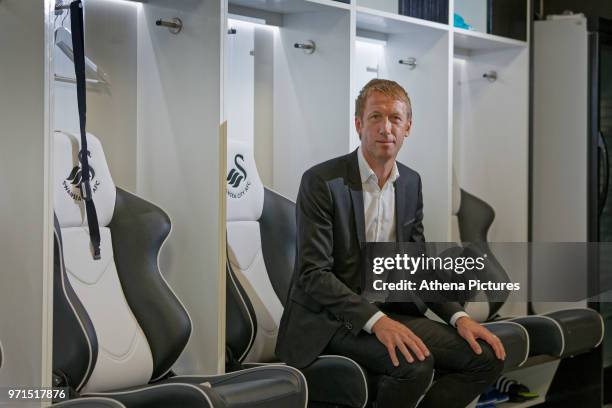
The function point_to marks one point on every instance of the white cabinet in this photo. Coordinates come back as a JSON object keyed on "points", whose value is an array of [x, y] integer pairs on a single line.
{"points": [[463, 122]]}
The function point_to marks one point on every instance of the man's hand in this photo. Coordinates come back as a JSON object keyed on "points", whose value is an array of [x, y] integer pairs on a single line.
{"points": [[394, 334], [471, 330]]}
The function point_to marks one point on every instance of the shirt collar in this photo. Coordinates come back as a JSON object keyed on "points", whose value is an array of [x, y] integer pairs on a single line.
{"points": [[366, 172]]}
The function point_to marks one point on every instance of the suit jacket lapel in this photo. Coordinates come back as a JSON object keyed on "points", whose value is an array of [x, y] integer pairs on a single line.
{"points": [[356, 191], [400, 209]]}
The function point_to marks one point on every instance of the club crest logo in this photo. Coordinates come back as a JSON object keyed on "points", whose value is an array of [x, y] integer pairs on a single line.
{"points": [[237, 183], [72, 184]]}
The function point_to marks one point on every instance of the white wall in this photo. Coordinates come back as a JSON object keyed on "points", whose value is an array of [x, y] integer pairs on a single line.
{"points": [[249, 90], [111, 43], [426, 150], [560, 145], [25, 202], [560, 137], [368, 63], [179, 163], [240, 86], [310, 95], [491, 147], [264, 103], [491, 136]]}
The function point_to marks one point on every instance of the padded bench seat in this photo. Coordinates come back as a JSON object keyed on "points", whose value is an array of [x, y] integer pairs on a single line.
{"points": [[563, 333], [333, 381], [336, 380], [515, 339]]}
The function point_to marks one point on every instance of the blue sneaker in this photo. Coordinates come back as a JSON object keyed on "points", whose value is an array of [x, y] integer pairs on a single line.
{"points": [[491, 397]]}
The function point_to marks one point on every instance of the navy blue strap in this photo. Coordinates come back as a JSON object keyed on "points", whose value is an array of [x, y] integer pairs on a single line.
{"points": [[78, 46]]}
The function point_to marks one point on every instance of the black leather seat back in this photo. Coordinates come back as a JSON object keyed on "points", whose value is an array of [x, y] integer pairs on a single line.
{"points": [[241, 321], [278, 241], [139, 230], [75, 344], [259, 254], [474, 220], [278, 231]]}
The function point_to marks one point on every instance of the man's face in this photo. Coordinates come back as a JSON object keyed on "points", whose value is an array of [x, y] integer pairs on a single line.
{"points": [[383, 127]]}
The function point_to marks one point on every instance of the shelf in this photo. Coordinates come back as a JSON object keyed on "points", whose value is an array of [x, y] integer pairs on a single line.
{"points": [[477, 41], [391, 23], [289, 6]]}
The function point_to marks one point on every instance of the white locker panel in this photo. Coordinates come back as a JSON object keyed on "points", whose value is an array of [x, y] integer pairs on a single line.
{"points": [[25, 202], [560, 142], [426, 150], [560, 135], [180, 167], [240, 85], [310, 94]]}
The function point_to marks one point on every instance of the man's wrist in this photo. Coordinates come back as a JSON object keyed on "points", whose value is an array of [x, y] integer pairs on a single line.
{"points": [[455, 318], [367, 327]]}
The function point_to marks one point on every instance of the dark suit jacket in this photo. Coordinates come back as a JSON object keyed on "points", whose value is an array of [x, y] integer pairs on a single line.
{"points": [[326, 289]]}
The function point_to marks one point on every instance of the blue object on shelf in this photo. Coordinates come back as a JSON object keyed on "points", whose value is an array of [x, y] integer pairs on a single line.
{"points": [[491, 398], [459, 22]]}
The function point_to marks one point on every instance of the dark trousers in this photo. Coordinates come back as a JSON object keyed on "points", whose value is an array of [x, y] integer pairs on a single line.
{"points": [[460, 374]]}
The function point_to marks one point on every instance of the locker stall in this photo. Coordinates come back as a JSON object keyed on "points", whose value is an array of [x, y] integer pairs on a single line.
{"points": [[484, 75], [288, 90], [153, 100], [414, 53], [490, 138]]}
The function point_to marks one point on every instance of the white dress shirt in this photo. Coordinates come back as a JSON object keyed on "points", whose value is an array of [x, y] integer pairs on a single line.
{"points": [[379, 212]]}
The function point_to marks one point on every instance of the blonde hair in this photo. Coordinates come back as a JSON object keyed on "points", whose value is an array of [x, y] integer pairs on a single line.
{"points": [[386, 87]]}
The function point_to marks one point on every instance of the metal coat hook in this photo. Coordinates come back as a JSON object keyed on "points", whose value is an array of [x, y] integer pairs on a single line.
{"points": [[60, 7], [411, 62], [491, 76], [308, 47], [174, 26]]}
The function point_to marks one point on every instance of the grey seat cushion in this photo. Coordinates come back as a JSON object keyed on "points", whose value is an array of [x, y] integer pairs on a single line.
{"points": [[515, 339], [270, 386], [563, 333]]}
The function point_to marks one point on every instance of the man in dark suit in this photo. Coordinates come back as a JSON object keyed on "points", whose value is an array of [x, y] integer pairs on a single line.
{"points": [[367, 196]]}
